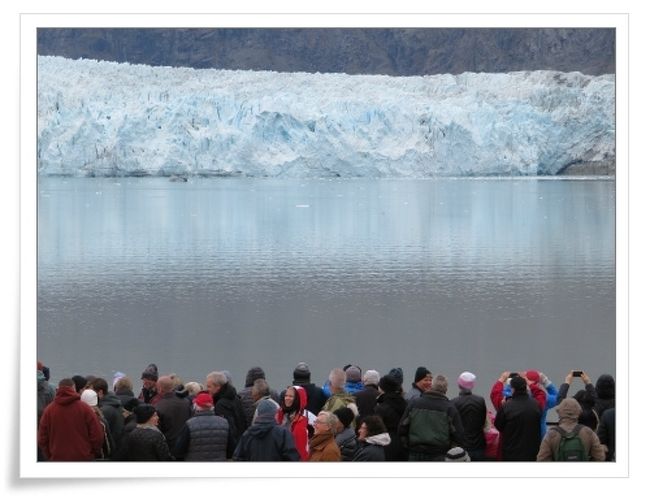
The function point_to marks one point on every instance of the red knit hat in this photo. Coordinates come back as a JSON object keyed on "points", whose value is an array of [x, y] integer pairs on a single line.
{"points": [[532, 376], [203, 399]]}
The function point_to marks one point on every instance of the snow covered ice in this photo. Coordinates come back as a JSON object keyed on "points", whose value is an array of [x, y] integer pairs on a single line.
{"points": [[110, 119]]}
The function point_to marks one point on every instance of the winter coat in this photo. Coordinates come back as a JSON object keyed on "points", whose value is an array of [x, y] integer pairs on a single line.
{"points": [[297, 423], [588, 416], [373, 448], [204, 437], [347, 442], [518, 421], [125, 396], [366, 400], [149, 396], [111, 408], [413, 393], [45, 393], [606, 433], [316, 398], [390, 407], [147, 443], [551, 442], [500, 392], [472, 412], [604, 393], [173, 412], [339, 400], [69, 429], [322, 447], [266, 441], [228, 405], [248, 404], [353, 387], [431, 425]]}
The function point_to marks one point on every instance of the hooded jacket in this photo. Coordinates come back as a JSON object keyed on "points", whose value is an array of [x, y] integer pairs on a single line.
{"points": [[568, 411], [373, 448], [266, 441], [69, 429], [297, 422]]}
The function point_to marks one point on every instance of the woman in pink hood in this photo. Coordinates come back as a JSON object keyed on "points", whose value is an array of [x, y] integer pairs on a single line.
{"points": [[293, 415]]}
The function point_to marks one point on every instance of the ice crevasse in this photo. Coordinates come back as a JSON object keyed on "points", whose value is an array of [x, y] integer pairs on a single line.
{"points": [[116, 119]]}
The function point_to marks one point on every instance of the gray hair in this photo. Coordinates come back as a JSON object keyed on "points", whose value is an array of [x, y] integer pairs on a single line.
{"points": [[439, 384], [260, 389], [217, 377], [371, 377], [193, 387], [332, 420], [337, 377]]}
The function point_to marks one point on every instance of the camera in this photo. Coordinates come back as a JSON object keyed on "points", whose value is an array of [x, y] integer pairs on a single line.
{"points": [[577, 374], [512, 375]]}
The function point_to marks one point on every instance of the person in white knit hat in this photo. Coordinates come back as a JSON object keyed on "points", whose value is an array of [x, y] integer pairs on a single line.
{"points": [[473, 411]]}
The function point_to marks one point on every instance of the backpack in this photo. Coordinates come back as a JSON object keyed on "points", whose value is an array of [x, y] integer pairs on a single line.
{"points": [[571, 447]]}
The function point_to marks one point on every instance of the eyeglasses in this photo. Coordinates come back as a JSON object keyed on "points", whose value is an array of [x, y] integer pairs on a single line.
{"points": [[320, 422]]}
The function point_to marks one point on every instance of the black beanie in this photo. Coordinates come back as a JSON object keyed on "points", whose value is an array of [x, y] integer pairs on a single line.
{"points": [[143, 412], [389, 384], [345, 415], [302, 373], [150, 373], [421, 373]]}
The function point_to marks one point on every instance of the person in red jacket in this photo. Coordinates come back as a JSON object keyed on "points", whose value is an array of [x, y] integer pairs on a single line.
{"points": [[292, 414], [69, 429]]}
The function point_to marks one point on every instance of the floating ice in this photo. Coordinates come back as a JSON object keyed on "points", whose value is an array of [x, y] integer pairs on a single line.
{"points": [[109, 119]]}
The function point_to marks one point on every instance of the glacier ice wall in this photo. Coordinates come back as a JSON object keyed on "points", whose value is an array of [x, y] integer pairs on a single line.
{"points": [[105, 119]]}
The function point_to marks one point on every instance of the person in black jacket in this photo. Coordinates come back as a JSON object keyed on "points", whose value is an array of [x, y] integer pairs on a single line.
{"points": [[227, 403], [390, 407], [173, 411], [316, 397], [206, 436], [146, 442], [367, 398], [606, 432], [373, 440], [111, 408], [518, 420], [265, 440], [473, 411]]}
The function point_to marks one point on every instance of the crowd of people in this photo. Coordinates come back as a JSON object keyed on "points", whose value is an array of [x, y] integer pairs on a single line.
{"points": [[354, 416]]}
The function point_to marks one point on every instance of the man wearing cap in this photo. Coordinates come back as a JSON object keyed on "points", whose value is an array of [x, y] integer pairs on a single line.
{"points": [[568, 411], [421, 384], [206, 436], [367, 398], [316, 398], [431, 424], [246, 395], [146, 442], [472, 412], [518, 420], [149, 394], [69, 429]]}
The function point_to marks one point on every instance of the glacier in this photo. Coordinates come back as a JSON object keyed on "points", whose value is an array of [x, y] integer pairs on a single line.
{"points": [[99, 118]]}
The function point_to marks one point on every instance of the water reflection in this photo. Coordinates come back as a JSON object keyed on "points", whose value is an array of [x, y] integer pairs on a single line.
{"points": [[452, 274]]}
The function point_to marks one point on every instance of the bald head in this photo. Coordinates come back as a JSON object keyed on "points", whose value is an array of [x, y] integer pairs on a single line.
{"points": [[165, 384]]}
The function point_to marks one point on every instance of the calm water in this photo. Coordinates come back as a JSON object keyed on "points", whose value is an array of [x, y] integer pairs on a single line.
{"points": [[484, 275]]}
